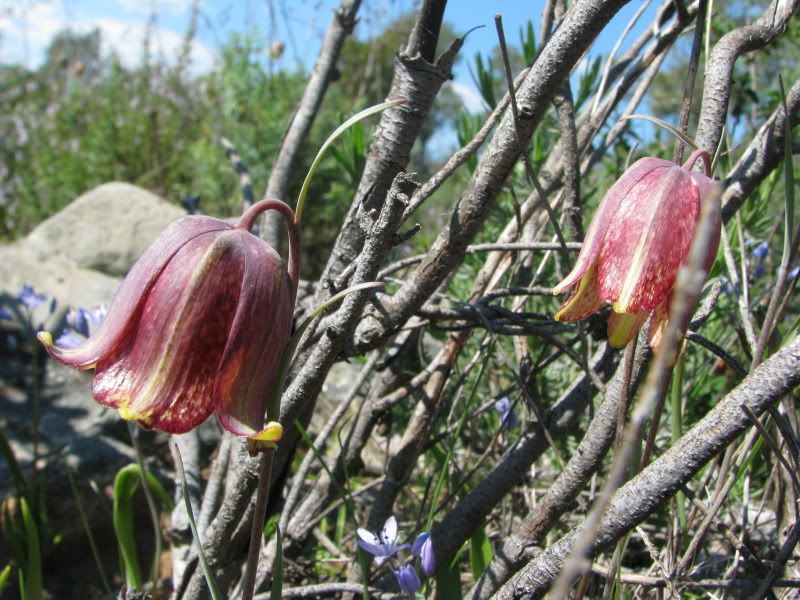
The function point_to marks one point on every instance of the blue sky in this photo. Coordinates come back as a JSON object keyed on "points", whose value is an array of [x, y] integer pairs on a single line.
{"points": [[26, 27]]}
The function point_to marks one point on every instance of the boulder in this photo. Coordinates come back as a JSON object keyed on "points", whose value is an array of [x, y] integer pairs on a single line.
{"points": [[106, 229], [57, 276]]}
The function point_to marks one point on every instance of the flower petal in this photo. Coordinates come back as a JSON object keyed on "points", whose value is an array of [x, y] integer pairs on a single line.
{"points": [[389, 532], [640, 258], [162, 372], [622, 327], [584, 300], [603, 218], [258, 336], [658, 325], [131, 293]]}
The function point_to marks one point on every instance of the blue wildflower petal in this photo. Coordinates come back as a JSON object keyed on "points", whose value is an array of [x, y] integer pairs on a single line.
{"points": [[28, 296], [5, 315], [69, 339], [508, 419], [408, 579], [761, 251], [78, 319], [423, 548], [792, 275]]}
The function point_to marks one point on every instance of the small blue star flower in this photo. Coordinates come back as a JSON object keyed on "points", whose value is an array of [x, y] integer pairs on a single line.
{"points": [[508, 418], [5, 315], [383, 545], [81, 323], [28, 296]]}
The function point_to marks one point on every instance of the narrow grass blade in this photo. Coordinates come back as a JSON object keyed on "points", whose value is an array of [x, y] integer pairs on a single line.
{"points": [[448, 581], [87, 529], [210, 580], [480, 553], [125, 485], [788, 174], [13, 465], [33, 564], [277, 572], [5, 575]]}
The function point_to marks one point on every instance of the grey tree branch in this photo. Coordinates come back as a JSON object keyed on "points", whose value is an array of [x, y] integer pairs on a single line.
{"points": [[461, 521], [763, 155], [719, 70], [581, 24], [644, 494], [417, 78], [559, 497], [341, 26]]}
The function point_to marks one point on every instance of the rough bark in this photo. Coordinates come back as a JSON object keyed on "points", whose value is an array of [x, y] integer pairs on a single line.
{"points": [[648, 491]]}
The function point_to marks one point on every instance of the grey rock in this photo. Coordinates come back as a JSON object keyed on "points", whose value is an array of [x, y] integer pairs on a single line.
{"points": [[57, 276], [106, 229]]}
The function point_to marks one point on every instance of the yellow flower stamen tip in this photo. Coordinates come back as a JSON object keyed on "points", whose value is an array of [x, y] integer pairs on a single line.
{"points": [[129, 415], [273, 432], [45, 337]]}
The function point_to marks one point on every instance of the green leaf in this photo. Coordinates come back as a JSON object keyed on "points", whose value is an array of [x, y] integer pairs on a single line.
{"points": [[480, 553], [13, 465], [271, 525], [663, 124], [33, 565], [788, 173], [125, 485], [341, 524], [448, 581], [277, 573], [5, 575], [528, 42]]}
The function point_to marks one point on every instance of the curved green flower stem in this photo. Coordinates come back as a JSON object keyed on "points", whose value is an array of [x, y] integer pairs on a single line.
{"points": [[151, 505], [249, 217], [301, 198], [212, 583], [663, 124]]}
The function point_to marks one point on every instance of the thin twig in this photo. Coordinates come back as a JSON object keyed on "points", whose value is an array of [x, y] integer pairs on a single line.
{"points": [[526, 160]]}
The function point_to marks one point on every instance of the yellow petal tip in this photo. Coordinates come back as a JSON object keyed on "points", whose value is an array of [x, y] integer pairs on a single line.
{"points": [[273, 432], [45, 337]]}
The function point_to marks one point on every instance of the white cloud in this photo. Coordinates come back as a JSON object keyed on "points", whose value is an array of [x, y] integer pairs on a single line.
{"points": [[473, 101], [24, 37], [172, 7], [126, 40]]}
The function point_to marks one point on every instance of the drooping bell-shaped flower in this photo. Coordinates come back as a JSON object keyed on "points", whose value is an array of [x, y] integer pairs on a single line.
{"points": [[639, 237], [198, 325]]}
